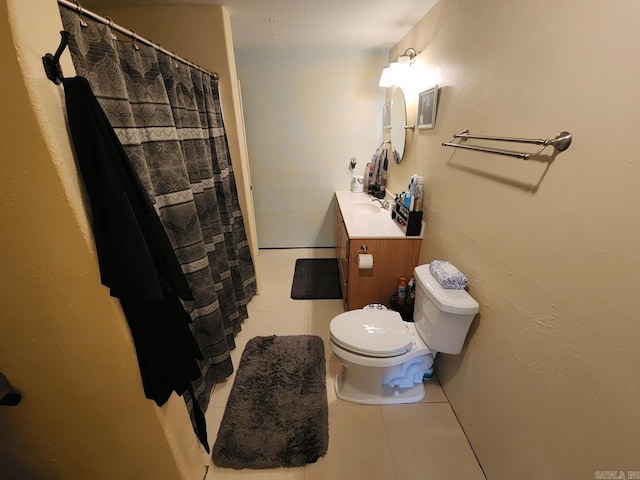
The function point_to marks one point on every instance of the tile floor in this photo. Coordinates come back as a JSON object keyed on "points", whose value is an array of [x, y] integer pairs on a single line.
{"points": [[402, 442]]}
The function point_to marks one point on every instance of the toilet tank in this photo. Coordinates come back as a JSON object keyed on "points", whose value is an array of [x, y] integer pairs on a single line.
{"points": [[442, 316]]}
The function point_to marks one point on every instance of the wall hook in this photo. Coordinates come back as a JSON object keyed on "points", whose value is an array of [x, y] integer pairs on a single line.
{"points": [[8, 396], [52, 62]]}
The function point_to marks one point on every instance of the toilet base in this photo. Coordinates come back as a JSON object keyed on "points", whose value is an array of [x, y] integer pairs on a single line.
{"points": [[352, 385], [388, 395]]}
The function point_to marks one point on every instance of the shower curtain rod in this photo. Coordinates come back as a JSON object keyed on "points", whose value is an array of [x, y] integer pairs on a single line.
{"points": [[75, 5]]}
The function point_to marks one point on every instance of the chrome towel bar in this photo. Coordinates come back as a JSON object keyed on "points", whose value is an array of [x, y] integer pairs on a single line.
{"points": [[561, 142]]}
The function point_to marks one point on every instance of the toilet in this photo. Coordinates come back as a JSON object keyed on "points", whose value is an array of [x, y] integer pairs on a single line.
{"points": [[384, 358]]}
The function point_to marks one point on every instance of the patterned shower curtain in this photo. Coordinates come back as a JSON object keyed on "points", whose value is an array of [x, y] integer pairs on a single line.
{"points": [[167, 116]]}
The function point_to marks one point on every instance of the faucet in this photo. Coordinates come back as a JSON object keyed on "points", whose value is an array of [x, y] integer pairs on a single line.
{"points": [[383, 203]]}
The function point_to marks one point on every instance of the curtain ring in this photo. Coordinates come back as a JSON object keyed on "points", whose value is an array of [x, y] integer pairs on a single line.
{"points": [[113, 35], [134, 36], [80, 11]]}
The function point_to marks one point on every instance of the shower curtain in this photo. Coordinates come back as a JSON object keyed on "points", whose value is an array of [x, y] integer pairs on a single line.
{"points": [[168, 118]]}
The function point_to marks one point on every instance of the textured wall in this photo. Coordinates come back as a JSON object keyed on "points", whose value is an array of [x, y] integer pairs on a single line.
{"points": [[548, 384], [64, 342]]}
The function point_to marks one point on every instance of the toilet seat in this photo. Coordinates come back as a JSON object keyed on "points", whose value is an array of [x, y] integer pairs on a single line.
{"points": [[372, 333]]}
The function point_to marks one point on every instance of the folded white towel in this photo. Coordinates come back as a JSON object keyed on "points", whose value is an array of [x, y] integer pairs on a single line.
{"points": [[447, 275]]}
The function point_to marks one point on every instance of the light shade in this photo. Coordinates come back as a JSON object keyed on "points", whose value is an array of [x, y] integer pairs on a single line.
{"points": [[386, 79], [394, 72]]}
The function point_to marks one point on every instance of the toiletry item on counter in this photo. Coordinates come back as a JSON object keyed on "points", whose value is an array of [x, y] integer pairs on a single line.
{"points": [[367, 178], [379, 166], [448, 275], [411, 199], [357, 183], [396, 156], [419, 192], [406, 215], [402, 290]]}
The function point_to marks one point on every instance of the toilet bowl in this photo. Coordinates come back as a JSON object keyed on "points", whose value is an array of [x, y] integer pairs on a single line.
{"points": [[384, 358]]}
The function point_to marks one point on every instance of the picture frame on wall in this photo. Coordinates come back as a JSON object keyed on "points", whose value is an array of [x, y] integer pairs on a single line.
{"points": [[427, 105], [386, 115]]}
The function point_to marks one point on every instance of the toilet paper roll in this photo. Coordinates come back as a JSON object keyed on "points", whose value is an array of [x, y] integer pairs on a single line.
{"points": [[365, 261]]}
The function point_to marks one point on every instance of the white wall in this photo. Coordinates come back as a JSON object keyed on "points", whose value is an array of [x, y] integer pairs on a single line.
{"points": [[548, 385], [306, 114]]}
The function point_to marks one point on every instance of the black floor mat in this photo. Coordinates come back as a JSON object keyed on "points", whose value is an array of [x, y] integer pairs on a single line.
{"points": [[316, 279]]}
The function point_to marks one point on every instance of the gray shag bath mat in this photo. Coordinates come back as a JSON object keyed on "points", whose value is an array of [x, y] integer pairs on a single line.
{"points": [[316, 279], [277, 413]]}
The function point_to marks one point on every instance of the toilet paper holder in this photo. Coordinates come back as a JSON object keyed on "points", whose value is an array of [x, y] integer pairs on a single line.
{"points": [[364, 260]]}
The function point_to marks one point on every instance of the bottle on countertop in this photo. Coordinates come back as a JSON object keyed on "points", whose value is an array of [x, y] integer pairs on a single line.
{"points": [[402, 290], [367, 177], [419, 192]]}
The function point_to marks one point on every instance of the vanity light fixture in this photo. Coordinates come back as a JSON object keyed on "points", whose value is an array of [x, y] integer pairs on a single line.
{"points": [[393, 73], [385, 78]]}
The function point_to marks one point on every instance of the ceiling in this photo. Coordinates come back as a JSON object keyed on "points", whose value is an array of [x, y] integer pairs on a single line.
{"points": [[307, 24]]}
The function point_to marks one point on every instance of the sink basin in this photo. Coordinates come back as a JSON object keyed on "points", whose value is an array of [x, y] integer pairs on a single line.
{"points": [[366, 208]]}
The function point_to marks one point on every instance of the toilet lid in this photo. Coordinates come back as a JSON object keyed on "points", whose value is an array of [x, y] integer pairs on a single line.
{"points": [[374, 333]]}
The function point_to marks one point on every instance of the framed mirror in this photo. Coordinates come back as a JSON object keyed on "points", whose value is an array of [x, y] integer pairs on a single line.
{"points": [[399, 123]]}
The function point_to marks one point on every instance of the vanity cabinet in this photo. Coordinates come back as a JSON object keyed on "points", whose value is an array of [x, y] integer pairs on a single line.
{"points": [[393, 257]]}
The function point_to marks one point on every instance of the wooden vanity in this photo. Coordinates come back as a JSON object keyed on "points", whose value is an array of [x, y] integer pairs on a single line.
{"points": [[394, 254]]}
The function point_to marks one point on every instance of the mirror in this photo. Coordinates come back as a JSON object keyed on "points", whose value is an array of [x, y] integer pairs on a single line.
{"points": [[399, 123]]}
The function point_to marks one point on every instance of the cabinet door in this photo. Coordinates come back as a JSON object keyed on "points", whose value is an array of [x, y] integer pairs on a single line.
{"points": [[342, 252], [392, 258]]}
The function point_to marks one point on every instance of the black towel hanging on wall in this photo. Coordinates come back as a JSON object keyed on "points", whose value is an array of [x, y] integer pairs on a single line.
{"points": [[136, 259], [149, 291]]}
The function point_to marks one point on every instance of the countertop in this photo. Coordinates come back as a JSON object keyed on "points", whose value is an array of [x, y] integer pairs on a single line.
{"points": [[368, 225]]}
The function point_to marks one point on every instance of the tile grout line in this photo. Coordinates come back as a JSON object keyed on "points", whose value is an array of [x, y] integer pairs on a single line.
{"points": [[465, 433], [386, 435]]}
